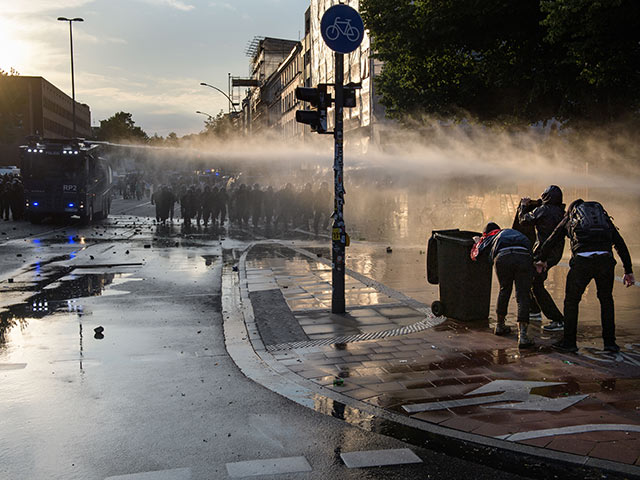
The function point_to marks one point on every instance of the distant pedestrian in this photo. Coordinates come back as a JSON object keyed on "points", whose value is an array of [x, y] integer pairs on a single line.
{"points": [[321, 208], [510, 251], [16, 199], [591, 234]]}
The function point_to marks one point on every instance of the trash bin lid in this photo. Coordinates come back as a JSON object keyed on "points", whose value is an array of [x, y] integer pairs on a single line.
{"points": [[462, 237]]}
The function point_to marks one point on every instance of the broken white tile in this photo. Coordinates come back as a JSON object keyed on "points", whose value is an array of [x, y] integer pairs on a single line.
{"points": [[379, 458], [269, 466], [174, 474]]}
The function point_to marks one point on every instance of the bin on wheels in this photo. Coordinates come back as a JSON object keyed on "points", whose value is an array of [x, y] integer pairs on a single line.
{"points": [[465, 285]]}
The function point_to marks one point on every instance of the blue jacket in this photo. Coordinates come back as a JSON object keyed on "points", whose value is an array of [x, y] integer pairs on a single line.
{"points": [[500, 242]]}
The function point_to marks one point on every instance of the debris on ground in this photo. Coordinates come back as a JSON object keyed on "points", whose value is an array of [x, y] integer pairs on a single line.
{"points": [[389, 250]]}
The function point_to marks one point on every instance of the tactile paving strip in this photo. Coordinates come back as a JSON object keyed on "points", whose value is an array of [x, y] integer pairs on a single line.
{"points": [[362, 337]]}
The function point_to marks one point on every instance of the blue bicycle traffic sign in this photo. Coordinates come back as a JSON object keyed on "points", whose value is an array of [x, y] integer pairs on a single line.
{"points": [[342, 28]]}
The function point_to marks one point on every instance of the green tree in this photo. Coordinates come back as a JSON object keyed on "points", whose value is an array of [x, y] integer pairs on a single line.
{"points": [[156, 140], [505, 61], [172, 140], [599, 56], [13, 102], [121, 128], [220, 126]]}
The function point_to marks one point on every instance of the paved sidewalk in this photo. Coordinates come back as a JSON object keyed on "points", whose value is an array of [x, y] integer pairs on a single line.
{"points": [[390, 352]]}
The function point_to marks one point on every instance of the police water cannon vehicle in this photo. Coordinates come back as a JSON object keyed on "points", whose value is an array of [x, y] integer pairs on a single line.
{"points": [[65, 178]]}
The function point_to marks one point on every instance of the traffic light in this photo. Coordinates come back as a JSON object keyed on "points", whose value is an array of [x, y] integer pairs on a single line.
{"points": [[320, 100], [350, 94]]}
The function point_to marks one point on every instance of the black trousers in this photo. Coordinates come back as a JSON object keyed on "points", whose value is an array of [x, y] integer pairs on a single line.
{"points": [[514, 268], [582, 270], [544, 299]]}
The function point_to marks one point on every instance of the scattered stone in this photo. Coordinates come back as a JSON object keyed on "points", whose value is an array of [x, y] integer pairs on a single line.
{"points": [[19, 255], [389, 250], [234, 268], [10, 280], [127, 252], [147, 246], [91, 257], [99, 329]]}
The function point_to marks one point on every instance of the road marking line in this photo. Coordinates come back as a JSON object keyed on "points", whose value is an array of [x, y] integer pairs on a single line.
{"points": [[174, 474], [270, 466], [379, 458]]}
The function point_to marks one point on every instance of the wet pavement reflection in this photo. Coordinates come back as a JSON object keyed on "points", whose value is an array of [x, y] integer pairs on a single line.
{"points": [[450, 361]]}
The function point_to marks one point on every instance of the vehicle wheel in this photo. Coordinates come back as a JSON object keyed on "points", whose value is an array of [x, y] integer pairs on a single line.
{"points": [[437, 308]]}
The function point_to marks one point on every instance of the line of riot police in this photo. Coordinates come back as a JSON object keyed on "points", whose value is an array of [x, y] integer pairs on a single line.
{"points": [[245, 205]]}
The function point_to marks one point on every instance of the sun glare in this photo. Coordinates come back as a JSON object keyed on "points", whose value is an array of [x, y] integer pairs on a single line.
{"points": [[14, 52]]}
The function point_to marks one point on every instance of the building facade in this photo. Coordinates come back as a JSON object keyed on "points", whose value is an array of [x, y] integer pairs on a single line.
{"points": [[309, 63], [266, 58], [34, 106]]}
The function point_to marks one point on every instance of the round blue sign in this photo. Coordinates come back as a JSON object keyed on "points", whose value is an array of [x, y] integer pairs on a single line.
{"points": [[342, 28]]}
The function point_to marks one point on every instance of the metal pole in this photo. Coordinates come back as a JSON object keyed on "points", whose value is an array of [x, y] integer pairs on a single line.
{"points": [[229, 90], [339, 234], [73, 85]]}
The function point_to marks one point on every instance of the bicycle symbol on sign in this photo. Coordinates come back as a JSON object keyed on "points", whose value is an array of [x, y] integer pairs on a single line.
{"points": [[342, 27]]}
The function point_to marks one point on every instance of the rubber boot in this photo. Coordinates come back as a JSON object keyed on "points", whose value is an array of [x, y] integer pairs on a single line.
{"points": [[524, 341], [501, 327]]}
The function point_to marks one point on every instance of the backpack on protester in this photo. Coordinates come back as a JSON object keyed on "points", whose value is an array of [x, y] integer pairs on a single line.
{"points": [[590, 223]]}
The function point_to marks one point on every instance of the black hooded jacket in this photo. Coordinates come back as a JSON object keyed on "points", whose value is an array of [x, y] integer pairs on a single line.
{"points": [[546, 218]]}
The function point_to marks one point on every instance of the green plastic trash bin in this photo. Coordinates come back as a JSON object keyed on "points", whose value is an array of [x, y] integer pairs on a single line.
{"points": [[465, 285]]}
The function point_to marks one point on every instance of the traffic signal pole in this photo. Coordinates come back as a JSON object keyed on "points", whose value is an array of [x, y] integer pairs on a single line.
{"points": [[339, 234]]}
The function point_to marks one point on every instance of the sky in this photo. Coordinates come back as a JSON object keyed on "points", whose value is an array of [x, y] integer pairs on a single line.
{"points": [[145, 57]]}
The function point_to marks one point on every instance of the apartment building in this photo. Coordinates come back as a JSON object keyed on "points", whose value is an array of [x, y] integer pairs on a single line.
{"points": [[308, 63]]}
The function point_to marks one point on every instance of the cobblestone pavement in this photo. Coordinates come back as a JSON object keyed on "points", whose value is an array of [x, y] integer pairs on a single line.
{"points": [[389, 351]]}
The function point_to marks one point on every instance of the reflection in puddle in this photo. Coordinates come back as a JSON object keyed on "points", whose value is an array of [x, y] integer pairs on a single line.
{"points": [[57, 297]]}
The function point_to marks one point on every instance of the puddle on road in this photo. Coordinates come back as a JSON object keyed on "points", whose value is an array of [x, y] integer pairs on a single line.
{"points": [[59, 295]]}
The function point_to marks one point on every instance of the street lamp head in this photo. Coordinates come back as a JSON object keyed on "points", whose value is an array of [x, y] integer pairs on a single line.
{"points": [[64, 19], [204, 84], [77, 19]]}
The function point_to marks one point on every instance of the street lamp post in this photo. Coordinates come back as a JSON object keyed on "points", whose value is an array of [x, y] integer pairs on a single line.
{"points": [[231, 102], [204, 113], [73, 86]]}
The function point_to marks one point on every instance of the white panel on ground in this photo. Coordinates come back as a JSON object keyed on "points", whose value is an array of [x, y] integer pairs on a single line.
{"points": [[269, 466], [379, 458], [174, 474]]}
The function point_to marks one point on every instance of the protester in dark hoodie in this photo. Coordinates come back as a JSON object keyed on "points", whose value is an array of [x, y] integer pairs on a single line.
{"points": [[545, 219], [535, 314], [591, 234], [510, 252]]}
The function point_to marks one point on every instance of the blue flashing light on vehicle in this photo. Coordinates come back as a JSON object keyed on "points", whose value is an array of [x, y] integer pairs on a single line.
{"points": [[71, 205], [35, 204]]}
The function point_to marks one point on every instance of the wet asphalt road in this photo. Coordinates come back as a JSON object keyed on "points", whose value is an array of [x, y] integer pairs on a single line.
{"points": [[159, 391]]}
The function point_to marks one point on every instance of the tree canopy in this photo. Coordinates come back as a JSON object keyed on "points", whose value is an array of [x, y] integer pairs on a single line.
{"points": [[121, 128], [13, 101], [220, 126], [516, 61]]}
